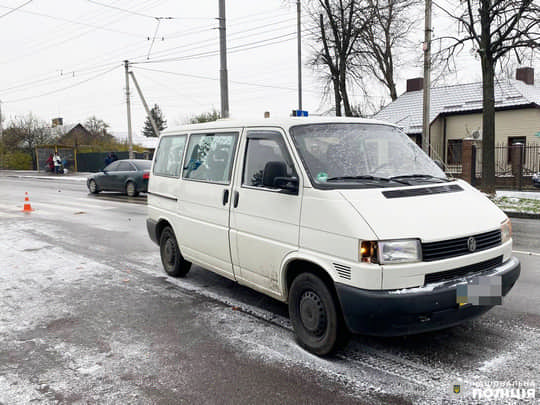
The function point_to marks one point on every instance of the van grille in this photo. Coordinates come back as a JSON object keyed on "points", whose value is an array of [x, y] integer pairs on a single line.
{"points": [[343, 271], [463, 271], [458, 247]]}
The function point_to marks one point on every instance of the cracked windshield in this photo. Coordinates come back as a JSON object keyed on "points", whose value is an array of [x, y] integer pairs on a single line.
{"points": [[364, 155]]}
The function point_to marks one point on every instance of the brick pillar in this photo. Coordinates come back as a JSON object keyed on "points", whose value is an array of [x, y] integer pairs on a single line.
{"points": [[467, 160], [516, 151]]}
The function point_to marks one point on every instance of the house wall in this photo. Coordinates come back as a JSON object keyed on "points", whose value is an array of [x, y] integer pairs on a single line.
{"points": [[524, 122], [436, 140]]}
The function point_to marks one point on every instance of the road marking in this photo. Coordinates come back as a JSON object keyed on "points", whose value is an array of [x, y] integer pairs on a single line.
{"points": [[526, 253]]}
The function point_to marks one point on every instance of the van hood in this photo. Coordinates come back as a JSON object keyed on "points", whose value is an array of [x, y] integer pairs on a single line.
{"points": [[427, 212]]}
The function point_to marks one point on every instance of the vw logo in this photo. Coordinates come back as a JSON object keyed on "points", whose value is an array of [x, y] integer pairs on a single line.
{"points": [[471, 244]]}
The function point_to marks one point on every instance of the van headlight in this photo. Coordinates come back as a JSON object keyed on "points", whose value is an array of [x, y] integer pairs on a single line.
{"points": [[506, 231], [391, 251]]}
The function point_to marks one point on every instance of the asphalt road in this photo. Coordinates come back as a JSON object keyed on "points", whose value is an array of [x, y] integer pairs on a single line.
{"points": [[88, 316]]}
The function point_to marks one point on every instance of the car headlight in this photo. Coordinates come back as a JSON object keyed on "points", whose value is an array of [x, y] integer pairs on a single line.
{"points": [[391, 251], [506, 231]]}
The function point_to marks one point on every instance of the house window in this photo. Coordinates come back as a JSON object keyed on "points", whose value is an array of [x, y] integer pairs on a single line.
{"points": [[453, 153], [512, 140]]}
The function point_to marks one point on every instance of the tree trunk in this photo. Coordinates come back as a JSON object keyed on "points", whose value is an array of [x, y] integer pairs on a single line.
{"points": [[488, 126], [344, 95], [337, 96]]}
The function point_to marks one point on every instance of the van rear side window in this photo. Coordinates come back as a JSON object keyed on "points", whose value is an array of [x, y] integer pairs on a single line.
{"points": [[168, 161], [209, 157]]}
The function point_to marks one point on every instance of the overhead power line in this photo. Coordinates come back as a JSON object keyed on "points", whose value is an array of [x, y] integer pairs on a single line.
{"points": [[102, 27], [63, 88], [234, 49], [54, 78], [16, 8], [146, 15], [216, 79]]}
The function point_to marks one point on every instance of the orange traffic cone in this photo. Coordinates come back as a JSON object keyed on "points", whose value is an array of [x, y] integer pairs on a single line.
{"points": [[27, 206]]}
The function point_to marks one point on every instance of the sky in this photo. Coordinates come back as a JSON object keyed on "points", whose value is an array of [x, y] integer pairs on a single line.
{"points": [[65, 59]]}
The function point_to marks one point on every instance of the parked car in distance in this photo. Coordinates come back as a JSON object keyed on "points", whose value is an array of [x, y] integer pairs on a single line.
{"points": [[128, 176], [536, 179]]}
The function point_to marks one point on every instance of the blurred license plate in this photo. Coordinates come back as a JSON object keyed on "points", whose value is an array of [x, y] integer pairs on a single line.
{"points": [[481, 290]]}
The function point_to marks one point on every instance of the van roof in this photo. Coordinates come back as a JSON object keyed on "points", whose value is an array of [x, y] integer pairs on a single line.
{"points": [[285, 122]]}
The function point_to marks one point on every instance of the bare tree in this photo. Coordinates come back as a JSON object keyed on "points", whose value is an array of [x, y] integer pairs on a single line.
{"points": [[25, 133], [387, 27], [498, 30], [338, 27]]}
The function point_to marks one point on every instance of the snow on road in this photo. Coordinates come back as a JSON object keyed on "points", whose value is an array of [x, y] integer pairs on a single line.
{"points": [[35, 270]]}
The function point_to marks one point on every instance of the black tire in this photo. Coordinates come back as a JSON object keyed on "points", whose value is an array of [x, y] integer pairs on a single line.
{"points": [[316, 316], [131, 189], [171, 258], [92, 187]]}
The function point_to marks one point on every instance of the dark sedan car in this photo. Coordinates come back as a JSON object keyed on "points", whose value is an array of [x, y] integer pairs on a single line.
{"points": [[536, 179], [129, 176]]}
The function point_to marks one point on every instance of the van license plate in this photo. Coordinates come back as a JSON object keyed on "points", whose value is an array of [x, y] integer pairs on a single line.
{"points": [[481, 290]]}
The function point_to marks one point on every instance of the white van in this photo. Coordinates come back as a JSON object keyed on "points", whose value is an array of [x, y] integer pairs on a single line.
{"points": [[346, 220]]}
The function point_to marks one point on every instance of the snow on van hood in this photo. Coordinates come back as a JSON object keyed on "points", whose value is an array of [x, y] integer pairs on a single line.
{"points": [[428, 217]]}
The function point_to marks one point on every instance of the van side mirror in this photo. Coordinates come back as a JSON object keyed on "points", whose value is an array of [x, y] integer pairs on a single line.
{"points": [[275, 175], [440, 164], [287, 183]]}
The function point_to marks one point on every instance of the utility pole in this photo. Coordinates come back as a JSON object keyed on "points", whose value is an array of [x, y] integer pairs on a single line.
{"points": [[148, 112], [128, 106], [427, 78], [299, 38], [223, 79]]}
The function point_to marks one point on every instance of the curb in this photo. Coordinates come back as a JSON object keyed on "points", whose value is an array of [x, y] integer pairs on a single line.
{"points": [[66, 178], [523, 215]]}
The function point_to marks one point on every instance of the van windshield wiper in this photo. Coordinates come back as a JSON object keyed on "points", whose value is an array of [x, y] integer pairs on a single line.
{"points": [[363, 177], [419, 176]]}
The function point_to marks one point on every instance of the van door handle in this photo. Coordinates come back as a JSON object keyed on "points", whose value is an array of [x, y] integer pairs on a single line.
{"points": [[225, 196], [236, 197]]}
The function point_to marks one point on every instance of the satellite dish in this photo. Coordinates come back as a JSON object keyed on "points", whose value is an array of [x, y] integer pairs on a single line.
{"points": [[477, 135]]}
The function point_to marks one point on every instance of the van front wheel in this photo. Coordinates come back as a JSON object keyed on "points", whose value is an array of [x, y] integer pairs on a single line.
{"points": [[171, 258], [314, 315]]}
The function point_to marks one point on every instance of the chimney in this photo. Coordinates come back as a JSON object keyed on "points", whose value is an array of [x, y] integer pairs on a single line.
{"points": [[526, 75], [415, 84], [57, 122]]}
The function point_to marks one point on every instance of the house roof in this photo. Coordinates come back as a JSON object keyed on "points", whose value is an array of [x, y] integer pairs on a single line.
{"points": [[60, 130], [406, 110]]}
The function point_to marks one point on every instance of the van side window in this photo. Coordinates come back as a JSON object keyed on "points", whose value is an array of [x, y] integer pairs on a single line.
{"points": [[210, 157], [168, 161], [266, 158]]}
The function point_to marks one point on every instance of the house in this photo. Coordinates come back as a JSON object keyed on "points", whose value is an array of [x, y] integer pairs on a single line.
{"points": [[74, 134], [456, 113]]}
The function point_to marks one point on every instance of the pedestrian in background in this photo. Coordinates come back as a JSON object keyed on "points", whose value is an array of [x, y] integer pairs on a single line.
{"points": [[114, 157], [108, 159], [57, 162], [50, 163]]}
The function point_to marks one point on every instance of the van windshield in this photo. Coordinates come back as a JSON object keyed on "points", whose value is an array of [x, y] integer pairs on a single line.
{"points": [[362, 155]]}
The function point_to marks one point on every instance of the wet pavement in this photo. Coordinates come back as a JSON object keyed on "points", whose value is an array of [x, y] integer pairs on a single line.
{"points": [[88, 316]]}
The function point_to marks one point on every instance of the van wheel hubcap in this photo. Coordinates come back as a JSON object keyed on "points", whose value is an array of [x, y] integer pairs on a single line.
{"points": [[312, 313], [92, 186], [169, 252]]}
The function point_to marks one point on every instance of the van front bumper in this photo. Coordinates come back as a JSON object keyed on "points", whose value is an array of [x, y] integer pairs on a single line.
{"points": [[416, 310]]}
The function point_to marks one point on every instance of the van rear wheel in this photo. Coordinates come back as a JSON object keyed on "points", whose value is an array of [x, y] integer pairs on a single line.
{"points": [[171, 258], [315, 316]]}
